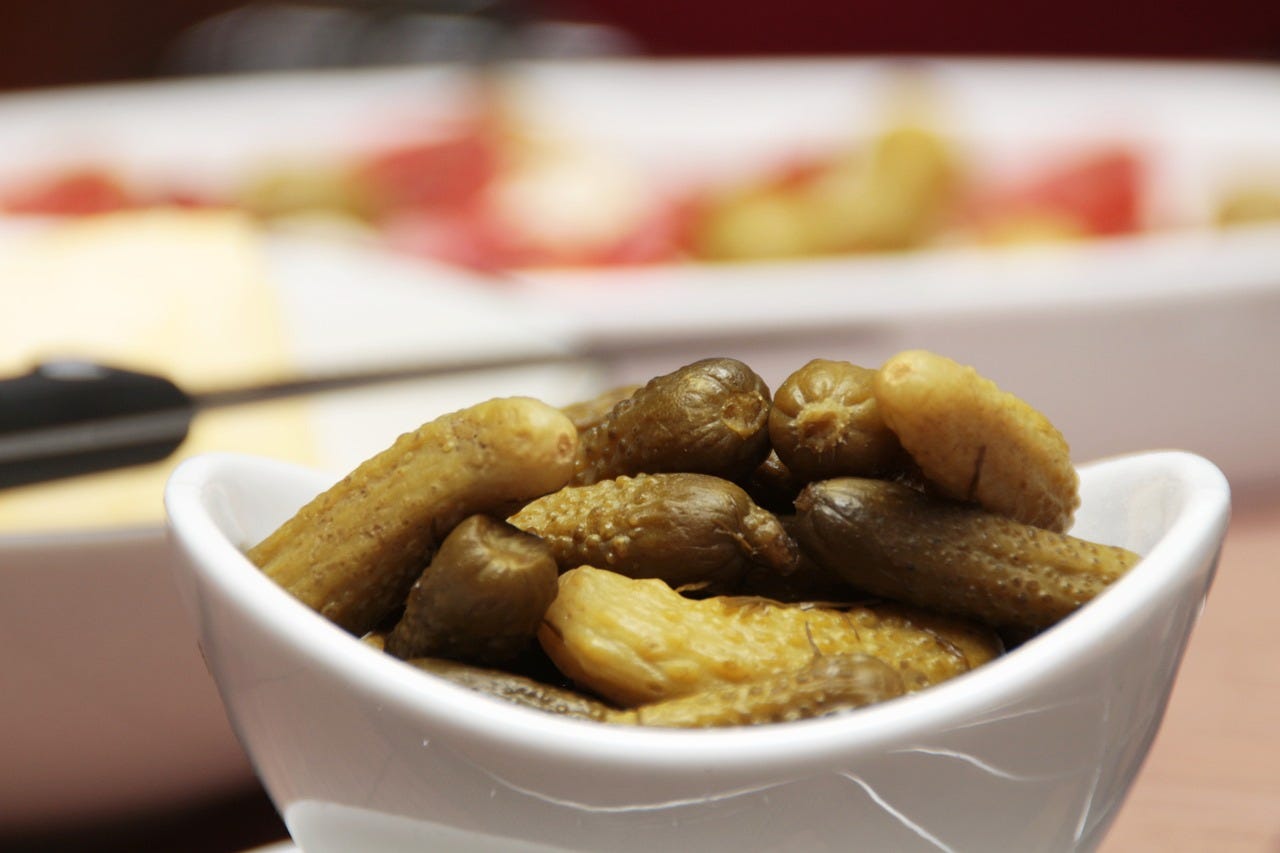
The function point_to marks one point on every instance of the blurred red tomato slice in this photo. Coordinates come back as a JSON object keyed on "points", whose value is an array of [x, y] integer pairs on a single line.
{"points": [[429, 176], [82, 192], [462, 237], [1101, 193], [472, 236]]}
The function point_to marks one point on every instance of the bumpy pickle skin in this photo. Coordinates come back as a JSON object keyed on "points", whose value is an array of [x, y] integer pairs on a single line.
{"points": [[633, 642], [687, 529], [826, 423], [354, 551], [827, 685], [587, 413], [895, 542], [975, 442], [482, 597], [709, 417]]}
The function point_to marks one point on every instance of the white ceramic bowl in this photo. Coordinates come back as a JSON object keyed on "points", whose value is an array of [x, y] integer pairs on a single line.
{"points": [[1034, 751]]}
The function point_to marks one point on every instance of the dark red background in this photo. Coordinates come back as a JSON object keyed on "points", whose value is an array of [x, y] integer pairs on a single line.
{"points": [[58, 42]]}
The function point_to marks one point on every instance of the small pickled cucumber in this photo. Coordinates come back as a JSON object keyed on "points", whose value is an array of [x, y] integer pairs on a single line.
{"points": [[632, 517], [354, 551], [975, 442], [687, 529], [709, 417], [827, 685], [638, 641], [481, 598], [895, 542], [826, 423]]}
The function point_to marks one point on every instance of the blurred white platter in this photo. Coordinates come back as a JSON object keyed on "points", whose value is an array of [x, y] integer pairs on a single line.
{"points": [[1198, 124], [109, 709], [1083, 331], [1165, 343]]}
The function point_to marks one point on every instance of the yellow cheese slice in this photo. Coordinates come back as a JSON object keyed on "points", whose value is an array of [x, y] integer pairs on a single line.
{"points": [[180, 293]]}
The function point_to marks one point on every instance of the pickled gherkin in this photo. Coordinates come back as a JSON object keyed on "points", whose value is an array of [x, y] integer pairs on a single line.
{"points": [[826, 685], [481, 598], [975, 442], [896, 542], [683, 528], [710, 417], [638, 641], [826, 423], [354, 551], [697, 552]]}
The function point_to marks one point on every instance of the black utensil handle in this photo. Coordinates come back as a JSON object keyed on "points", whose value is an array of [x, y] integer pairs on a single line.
{"points": [[70, 418]]}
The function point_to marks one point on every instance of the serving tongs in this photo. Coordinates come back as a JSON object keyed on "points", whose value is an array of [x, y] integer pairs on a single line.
{"points": [[67, 418]]}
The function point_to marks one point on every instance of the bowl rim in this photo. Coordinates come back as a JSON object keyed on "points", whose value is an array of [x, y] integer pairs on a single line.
{"points": [[1188, 545]]}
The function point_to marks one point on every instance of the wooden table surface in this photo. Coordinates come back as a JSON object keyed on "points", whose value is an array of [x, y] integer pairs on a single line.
{"points": [[1211, 782]]}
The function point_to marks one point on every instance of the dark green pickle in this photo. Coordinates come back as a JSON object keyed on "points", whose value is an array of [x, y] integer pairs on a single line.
{"points": [[687, 529], [710, 417], [826, 423], [896, 542], [482, 597]]}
